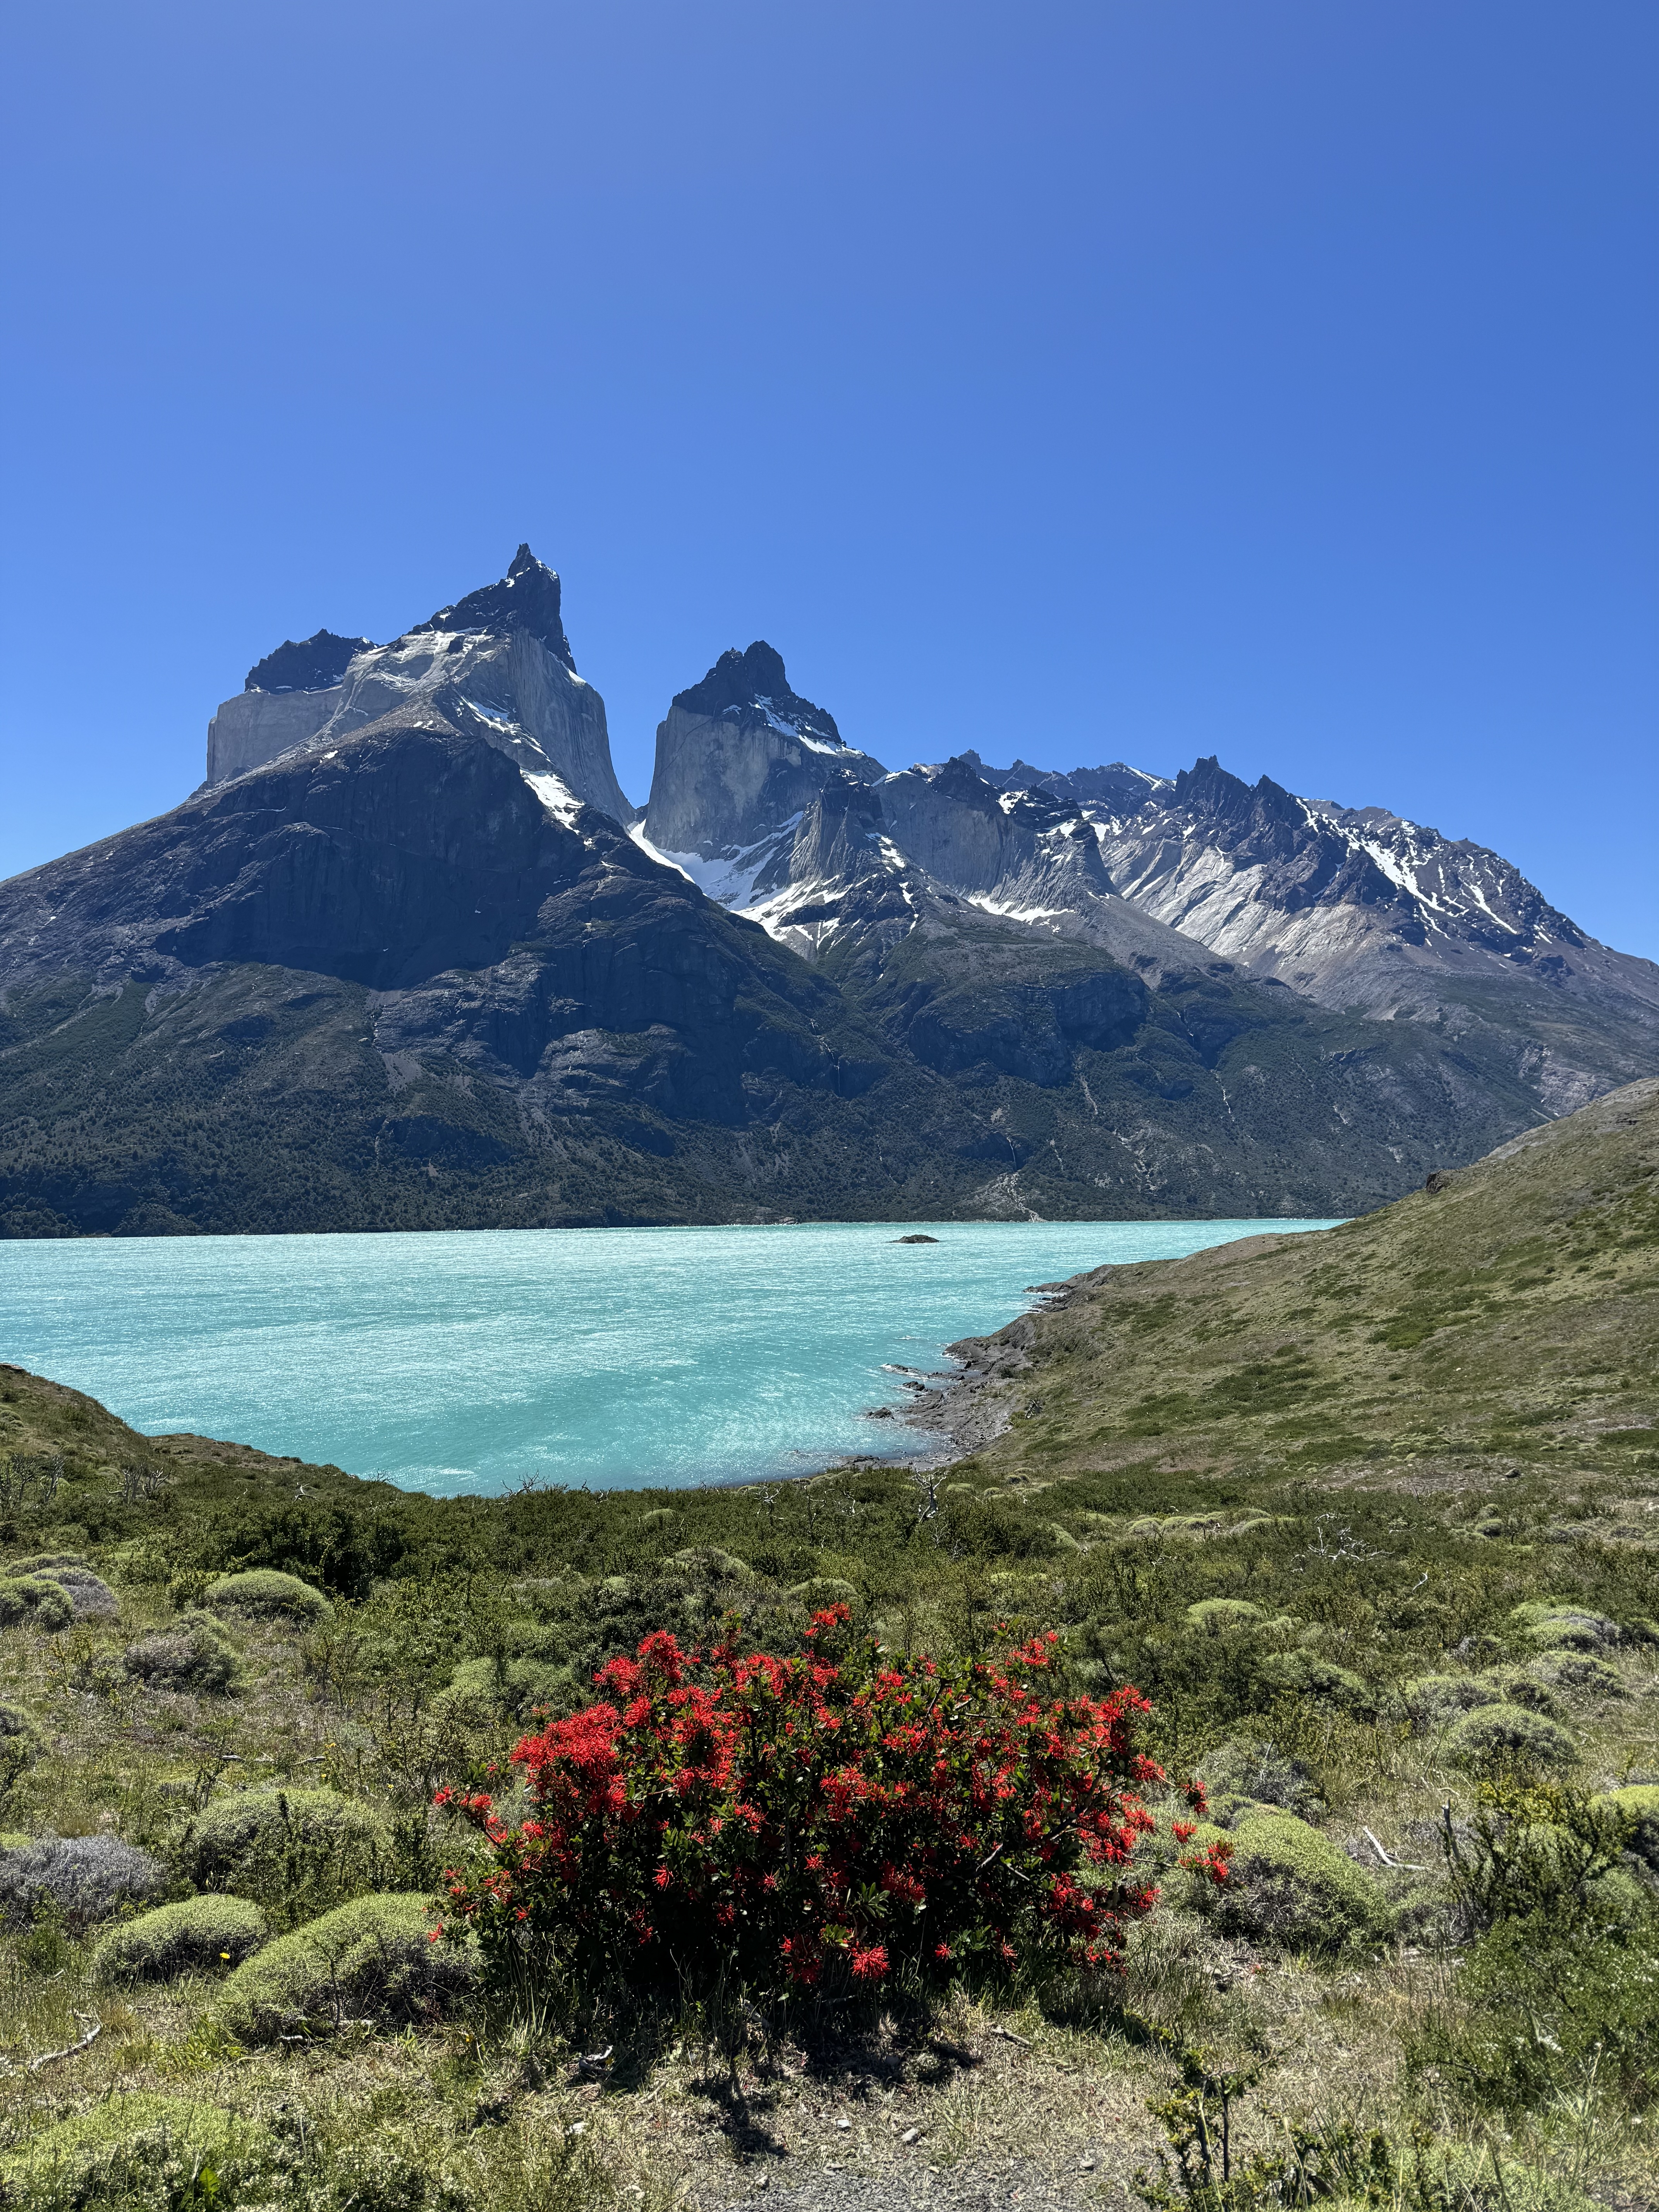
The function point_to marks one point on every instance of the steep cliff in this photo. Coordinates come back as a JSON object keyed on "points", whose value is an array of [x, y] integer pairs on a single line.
{"points": [[498, 664]]}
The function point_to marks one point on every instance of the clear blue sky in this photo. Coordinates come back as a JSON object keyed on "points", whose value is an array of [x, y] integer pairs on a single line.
{"points": [[1273, 378]]}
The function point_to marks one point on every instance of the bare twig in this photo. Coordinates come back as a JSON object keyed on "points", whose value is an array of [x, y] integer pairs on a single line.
{"points": [[51, 2057]]}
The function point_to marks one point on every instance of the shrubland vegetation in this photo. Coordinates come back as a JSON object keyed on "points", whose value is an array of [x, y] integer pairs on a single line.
{"points": [[1366, 1519]]}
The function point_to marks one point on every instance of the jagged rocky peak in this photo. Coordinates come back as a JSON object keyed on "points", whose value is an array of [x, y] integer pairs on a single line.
{"points": [[741, 759], [314, 664], [1117, 787], [753, 683], [526, 598], [496, 666]]}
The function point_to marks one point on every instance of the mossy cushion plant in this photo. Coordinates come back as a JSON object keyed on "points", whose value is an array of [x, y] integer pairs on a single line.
{"points": [[86, 1878], [267, 1596], [1288, 1884], [1306, 1675], [89, 1593], [1556, 1627], [1213, 1614], [106, 2156], [1436, 1701], [1493, 1734], [1579, 1674], [709, 1561], [237, 1842], [373, 1958], [820, 1592], [31, 1600], [197, 1935], [1640, 1799], [193, 1654]]}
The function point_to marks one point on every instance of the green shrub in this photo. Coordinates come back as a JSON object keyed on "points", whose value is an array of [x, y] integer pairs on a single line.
{"points": [[1304, 1675], [1539, 2014], [193, 1653], [1579, 1673], [149, 2153], [82, 1878], [1435, 1701], [373, 1958], [1640, 1801], [1554, 1627], [201, 1934], [710, 1563], [1261, 1773], [1288, 1884], [89, 1594], [1213, 1614], [1500, 1734], [21, 1744], [29, 1600], [820, 1592], [1525, 1686], [268, 1596], [288, 1847]]}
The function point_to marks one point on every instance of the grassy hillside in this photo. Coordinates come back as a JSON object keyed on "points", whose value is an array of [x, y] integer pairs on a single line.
{"points": [[1503, 1320], [1369, 1515]]}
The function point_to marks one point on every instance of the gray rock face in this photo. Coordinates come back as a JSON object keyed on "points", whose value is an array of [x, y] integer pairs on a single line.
{"points": [[414, 971], [741, 759], [255, 727], [1354, 909], [496, 666]]}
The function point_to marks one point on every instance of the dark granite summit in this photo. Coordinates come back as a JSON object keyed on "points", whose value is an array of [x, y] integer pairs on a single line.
{"points": [[738, 681], [527, 599], [315, 664]]}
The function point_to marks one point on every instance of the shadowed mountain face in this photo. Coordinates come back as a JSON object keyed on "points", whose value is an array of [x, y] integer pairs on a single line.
{"points": [[413, 967]]}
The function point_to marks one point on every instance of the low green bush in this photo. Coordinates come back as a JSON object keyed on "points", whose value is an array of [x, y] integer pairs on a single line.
{"points": [[1248, 1769], [1579, 1674], [820, 1592], [1497, 1735], [1288, 1884], [1525, 1685], [710, 1563], [21, 1744], [85, 1879], [1554, 1627], [1640, 1801], [142, 2151], [373, 1958], [288, 1849], [198, 1936], [193, 1653], [1436, 1701], [29, 1600], [1304, 1675], [1213, 1614], [268, 1596], [1539, 2012]]}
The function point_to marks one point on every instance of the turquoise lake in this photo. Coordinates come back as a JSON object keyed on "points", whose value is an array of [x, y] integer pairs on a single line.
{"points": [[469, 1361]]}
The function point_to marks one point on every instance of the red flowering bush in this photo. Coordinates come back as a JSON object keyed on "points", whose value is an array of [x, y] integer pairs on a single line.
{"points": [[797, 1821]]}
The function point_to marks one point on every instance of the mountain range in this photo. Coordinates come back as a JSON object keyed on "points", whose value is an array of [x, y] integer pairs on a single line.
{"points": [[408, 958]]}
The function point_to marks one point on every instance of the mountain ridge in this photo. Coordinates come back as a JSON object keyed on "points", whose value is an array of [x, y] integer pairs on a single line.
{"points": [[422, 964]]}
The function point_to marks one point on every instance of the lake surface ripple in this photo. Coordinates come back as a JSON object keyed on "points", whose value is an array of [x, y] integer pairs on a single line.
{"points": [[471, 1360]]}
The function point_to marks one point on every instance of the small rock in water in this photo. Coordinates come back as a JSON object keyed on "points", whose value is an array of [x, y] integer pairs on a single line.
{"points": [[915, 1240]]}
